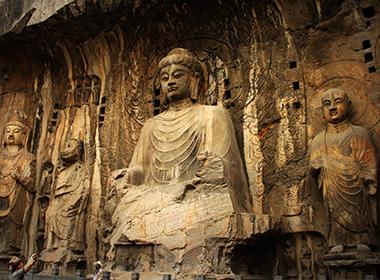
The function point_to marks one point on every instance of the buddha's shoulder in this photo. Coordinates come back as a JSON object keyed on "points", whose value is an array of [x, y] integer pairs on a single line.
{"points": [[318, 139], [28, 157], [360, 130], [149, 123], [213, 109]]}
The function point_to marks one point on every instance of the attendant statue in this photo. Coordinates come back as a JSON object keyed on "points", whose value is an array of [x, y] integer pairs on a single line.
{"points": [[343, 160], [189, 142], [65, 215], [17, 177]]}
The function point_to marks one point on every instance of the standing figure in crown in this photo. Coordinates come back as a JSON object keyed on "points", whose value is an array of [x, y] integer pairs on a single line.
{"points": [[17, 176]]}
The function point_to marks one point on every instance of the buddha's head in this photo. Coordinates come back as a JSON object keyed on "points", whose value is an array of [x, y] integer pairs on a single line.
{"points": [[16, 130], [180, 75], [335, 105], [72, 151]]}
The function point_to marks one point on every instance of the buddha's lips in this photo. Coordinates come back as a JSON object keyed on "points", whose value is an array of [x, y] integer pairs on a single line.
{"points": [[172, 89]]}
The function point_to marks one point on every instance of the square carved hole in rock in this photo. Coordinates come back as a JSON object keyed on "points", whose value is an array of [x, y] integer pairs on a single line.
{"points": [[292, 64], [368, 12], [366, 44], [372, 69], [368, 57]]}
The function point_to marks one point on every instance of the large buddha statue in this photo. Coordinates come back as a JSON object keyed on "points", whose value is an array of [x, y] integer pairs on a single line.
{"points": [[186, 179], [343, 160], [175, 145], [17, 175]]}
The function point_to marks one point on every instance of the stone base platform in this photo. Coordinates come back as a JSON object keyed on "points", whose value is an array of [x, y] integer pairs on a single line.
{"points": [[179, 228], [351, 265]]}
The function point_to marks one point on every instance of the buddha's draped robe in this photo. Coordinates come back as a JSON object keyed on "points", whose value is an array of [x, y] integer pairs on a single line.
{"points": [[65, 216], [170, 142], [346, 161]]}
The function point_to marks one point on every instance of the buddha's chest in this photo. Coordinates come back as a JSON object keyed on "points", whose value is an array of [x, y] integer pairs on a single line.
{"points": [[338, 144], [176, 142], [8, 165]]}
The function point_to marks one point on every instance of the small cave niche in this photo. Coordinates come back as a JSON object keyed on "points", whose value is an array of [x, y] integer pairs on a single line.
{"points": [[366, 44], [368, 12], [102, 110], [226, 82], [372, 69], [297, 105], [227, 94], [368, 57], [156, 103], [157, 92], [103, 99], [156, 111], [257, 258], [292, 64], [292, 255]]}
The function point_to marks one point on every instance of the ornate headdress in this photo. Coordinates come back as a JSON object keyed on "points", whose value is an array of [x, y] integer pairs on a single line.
{"points": [[18, 118]]}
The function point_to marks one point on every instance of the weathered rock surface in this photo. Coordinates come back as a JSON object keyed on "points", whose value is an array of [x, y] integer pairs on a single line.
{"points": [[86, 70]]}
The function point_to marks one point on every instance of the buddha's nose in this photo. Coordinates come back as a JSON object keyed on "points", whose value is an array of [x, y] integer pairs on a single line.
{"points": [[332, 107]]}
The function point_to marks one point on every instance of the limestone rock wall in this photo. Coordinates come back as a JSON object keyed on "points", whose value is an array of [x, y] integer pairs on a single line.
{"points": [[86, 70]]}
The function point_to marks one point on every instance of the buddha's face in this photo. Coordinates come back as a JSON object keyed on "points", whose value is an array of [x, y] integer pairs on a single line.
{"points": [[71, 151], [13, 135], [335, 106], [175, 82]]}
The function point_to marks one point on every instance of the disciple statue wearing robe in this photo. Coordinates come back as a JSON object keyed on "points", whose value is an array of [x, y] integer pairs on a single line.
{"points": [[186, 141], [343, 160], [17, 176], [65, 215]]}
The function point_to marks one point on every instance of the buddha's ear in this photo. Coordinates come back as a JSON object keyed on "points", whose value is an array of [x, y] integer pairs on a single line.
{"points": [[194, 86], [323, 114]]}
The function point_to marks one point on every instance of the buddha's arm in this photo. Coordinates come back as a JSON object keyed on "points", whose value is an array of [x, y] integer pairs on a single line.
{"points": [[27, 175], [139, 164], [365, 154], [219, 153], [223, 139], [316, 161], [224, 145], [134, 175]]}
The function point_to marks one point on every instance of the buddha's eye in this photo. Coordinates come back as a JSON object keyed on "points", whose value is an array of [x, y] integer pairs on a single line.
{"points": [[164, 77], [178, 75], [326, 103]]}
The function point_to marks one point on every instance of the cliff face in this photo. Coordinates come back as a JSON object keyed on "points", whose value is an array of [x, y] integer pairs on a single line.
{"points": [[18, 14], [86, 70]]}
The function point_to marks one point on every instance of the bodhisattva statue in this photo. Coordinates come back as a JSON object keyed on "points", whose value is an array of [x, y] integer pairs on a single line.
{"points": [[17, 177], [65, 215], [343, 160], [184, 143]]}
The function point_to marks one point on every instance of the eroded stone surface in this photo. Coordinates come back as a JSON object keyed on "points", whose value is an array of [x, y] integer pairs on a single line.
{"points": [[86, 70]]}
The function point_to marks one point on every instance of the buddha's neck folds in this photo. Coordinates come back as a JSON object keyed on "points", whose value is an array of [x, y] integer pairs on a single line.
{"points": [[180, 104], [338, 127]]}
